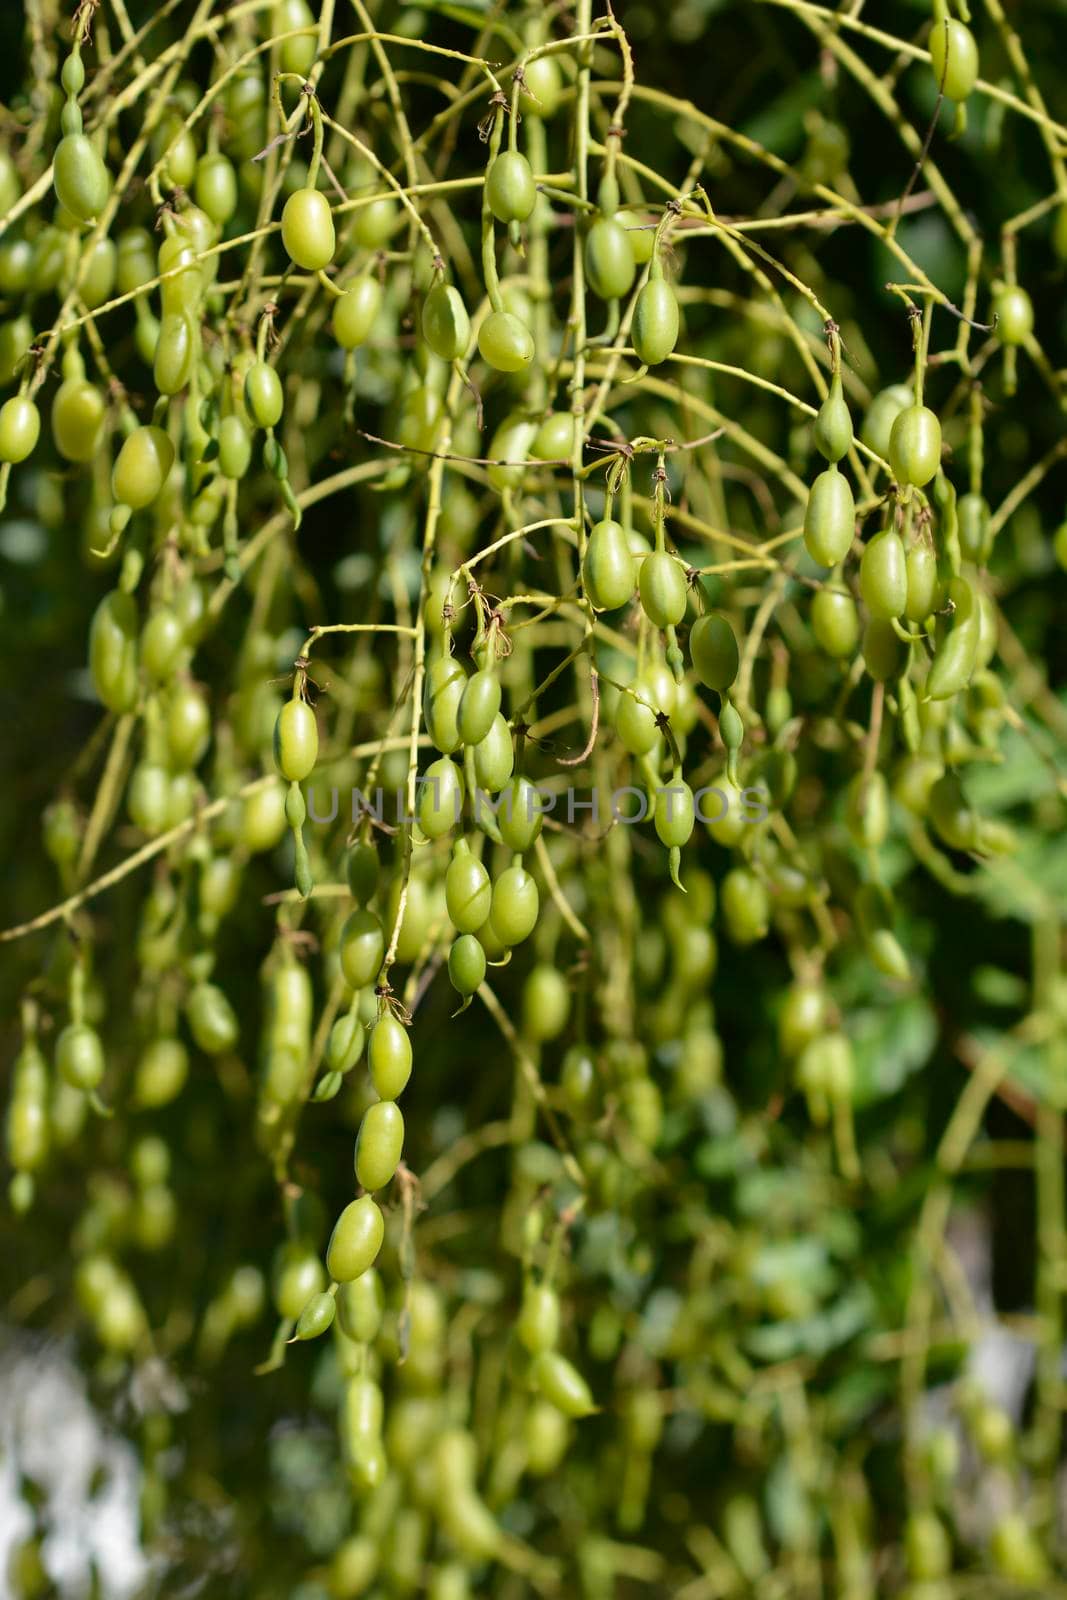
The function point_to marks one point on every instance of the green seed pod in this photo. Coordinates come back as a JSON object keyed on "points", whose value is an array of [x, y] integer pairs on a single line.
{"points": [[746, 906], [609, 259], [655, 320], [509, 187], [830, 518], [316, 1317], [466, 965], [505, 343], [142, 467], [212, 1021], [296, 741], [356, 1240], [867, 810], [884, 654], [546, 1004], [80, 177], [446, 327], [174, 354], [508, 450], [20, 428], [832, 432], [362, 868], [494, 756], [924, 589], [389, 1057], [440, 798], [802, 1017], [356, 311], [713, 647], [874, 915], [443, 693], [608, 571], [80, 1056], [537, 1324], [635, 720], [662, 586], [468, 891], [884, 575], [953, 57], [78, 412], [1014, 313], [379, 1144], [515, 906], [478, 706], [520, 816], [113, 636], [973, 519], [264, 398], [956, 656], [835, 622], [307, 230], [915, 445], [562, 1384], [883, 411], [362, 949]]}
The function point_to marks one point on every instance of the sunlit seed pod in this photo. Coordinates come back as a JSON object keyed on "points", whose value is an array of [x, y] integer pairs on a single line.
{"points": [[554, 440], [510, 188], [662, 586], [884, 575], [746, 906], [442, 695], [915, 445], [162, 1071], [830, 518], [212, 1020], [505, 343], [440, 802], [356, 1240], [508, 450], [609, 259], [296, 741], [835, 622], [362, 948], [562, 1384], [446, 327], [263, 824], [515, 906], [20, 428], [923, 586], [389, 1057], [538, 1321], [81, 179], [884, 653], [542, 88], [141, 467], [468, 891], [609, 570], [356, 311], [379, 1144], [494, 756], [373, 224], [713, 647], [80, 1056], [832, 431], [546, 1003], [953, 57], [882, 412], [78, 412], [655, 321]]}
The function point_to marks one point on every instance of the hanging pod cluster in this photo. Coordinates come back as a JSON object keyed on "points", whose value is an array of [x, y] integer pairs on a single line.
{"points": [[493, 582]]}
